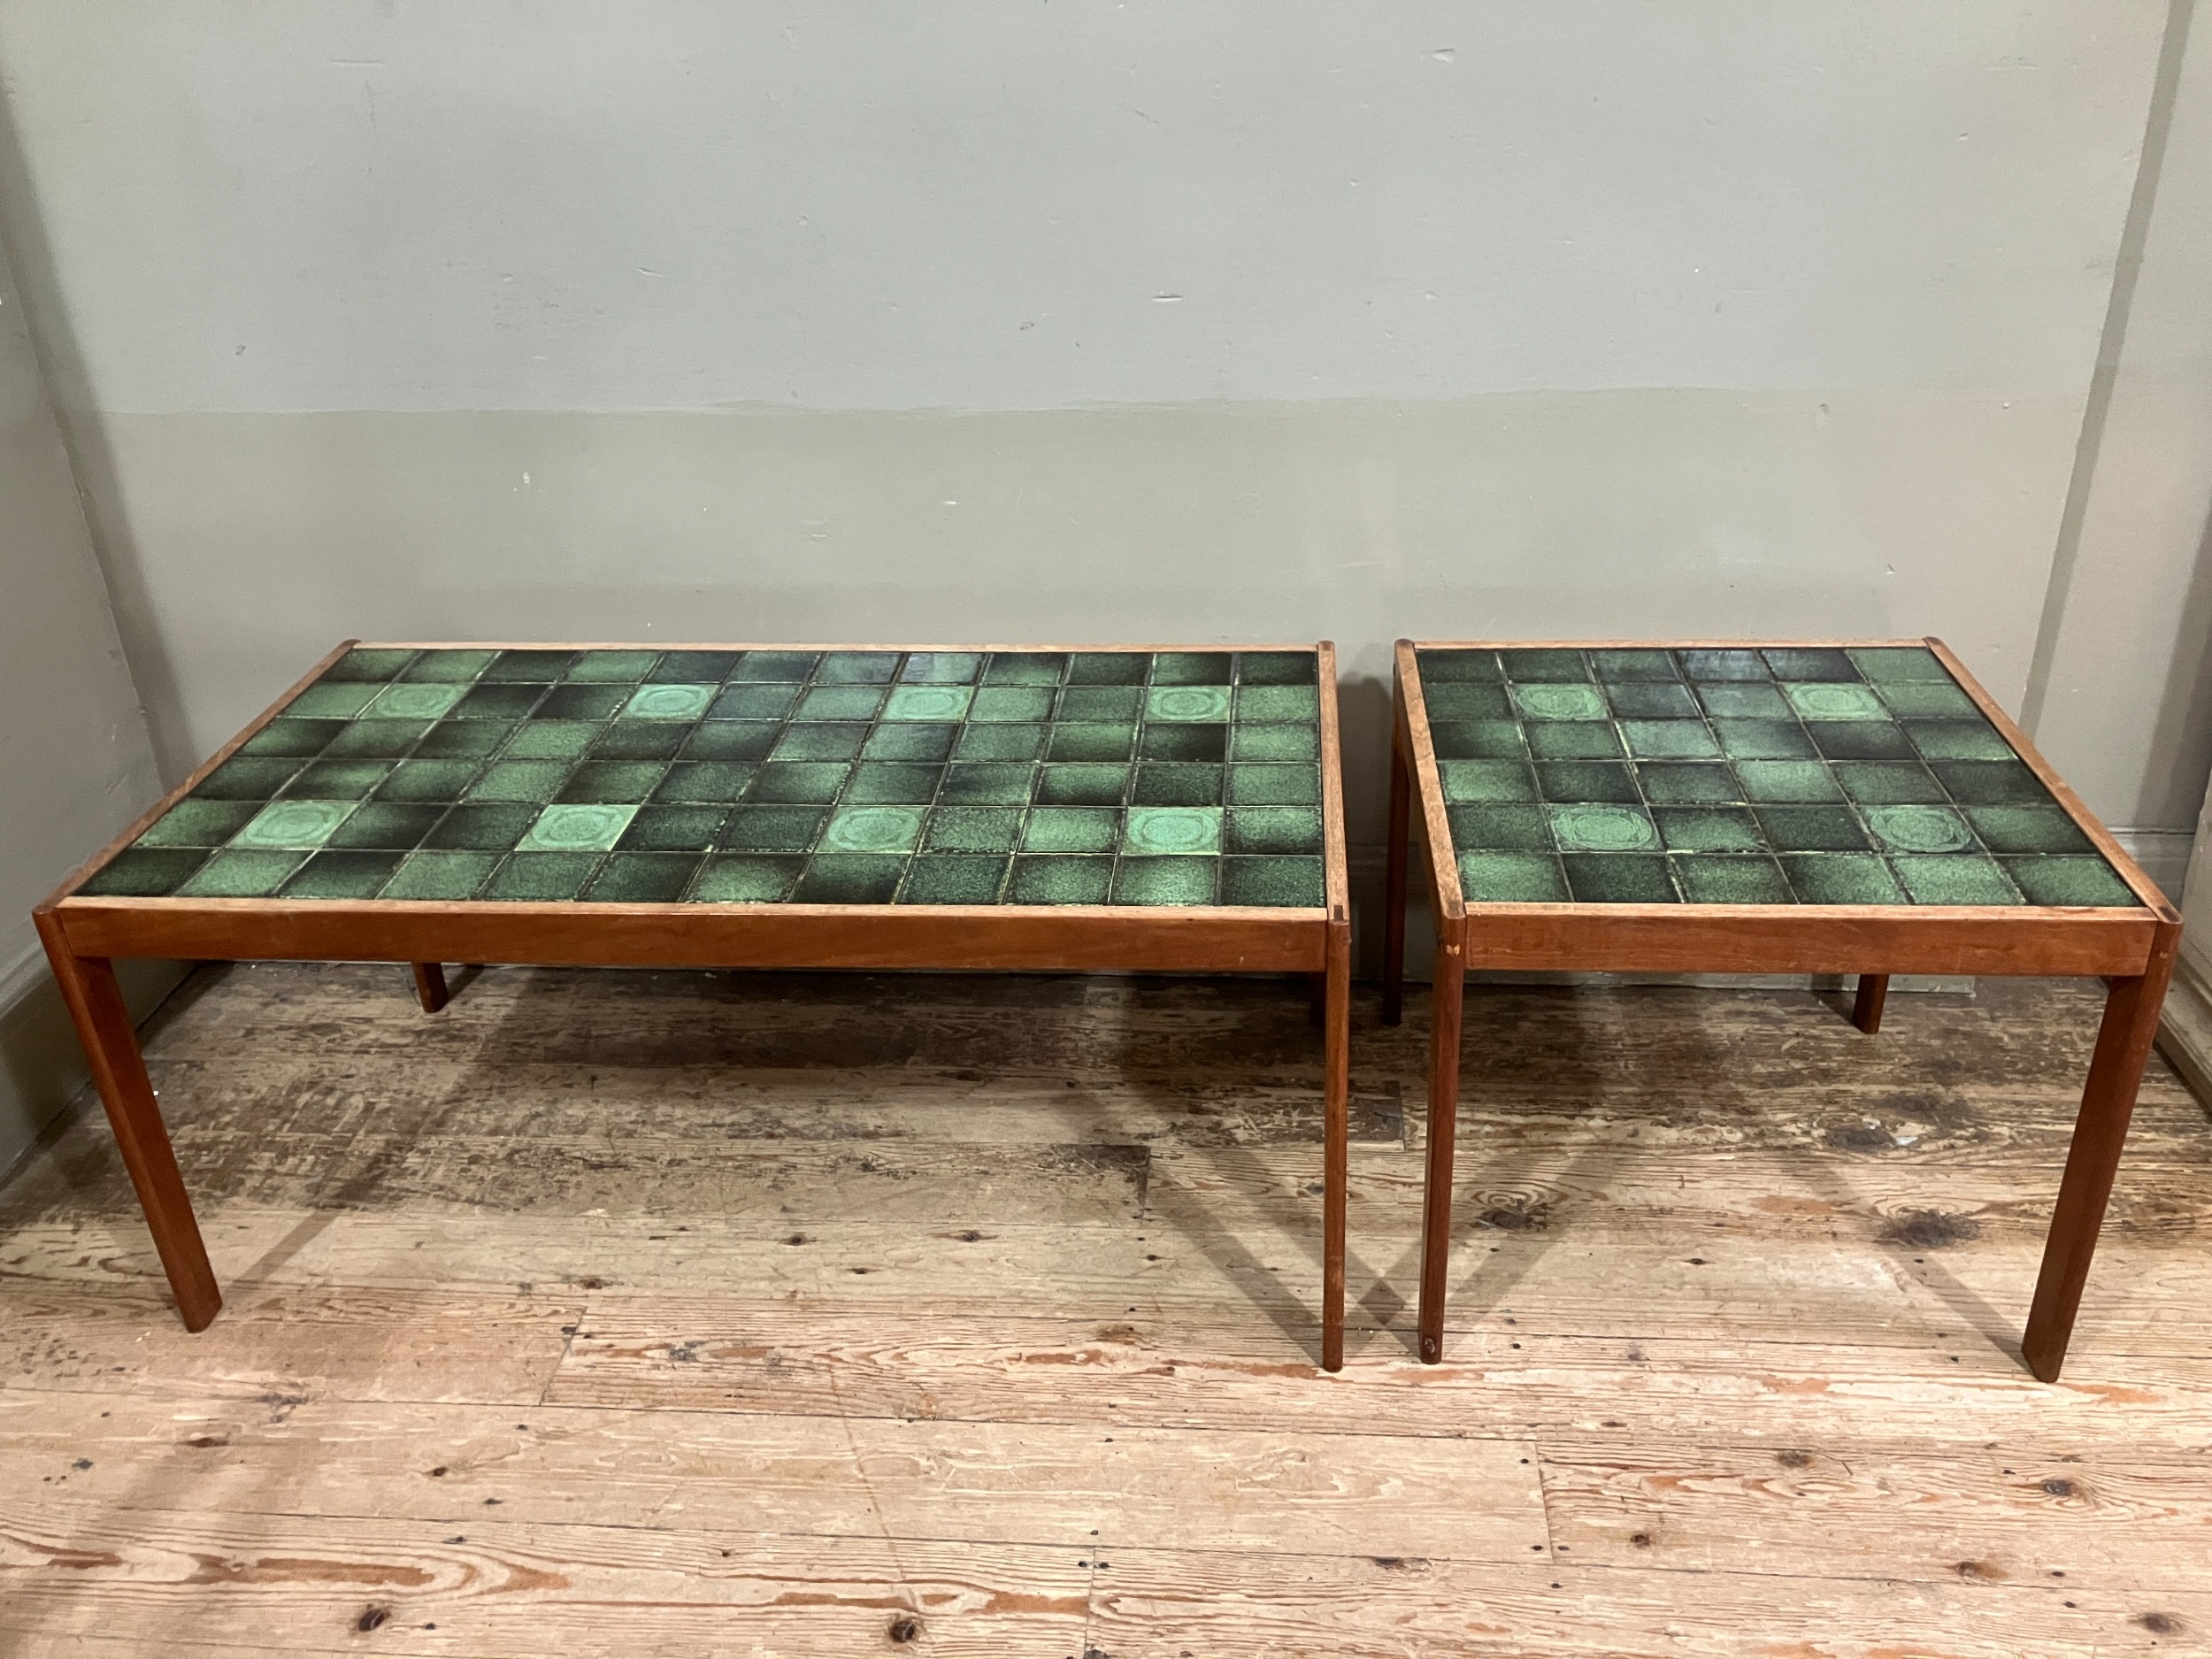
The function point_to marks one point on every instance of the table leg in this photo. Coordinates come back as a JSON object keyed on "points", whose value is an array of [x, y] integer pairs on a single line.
{"points": [[1396, 858], [1336, 1135], [2124, 1042], [1866, 1008], [1447, 987], [430, 986], [103, 1026]]}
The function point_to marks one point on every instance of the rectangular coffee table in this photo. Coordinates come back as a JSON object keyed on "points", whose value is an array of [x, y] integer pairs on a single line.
{"points": [[1852, 807], [1061, 807]]}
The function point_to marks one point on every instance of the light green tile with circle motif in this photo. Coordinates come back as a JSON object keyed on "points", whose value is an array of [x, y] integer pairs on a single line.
{"points": [[579, 827], [294, 825], [1824, 699], [1171, 829], [1187, 703], [874, 829], [414, 700], [669, 703], [925, 702], [1565, 699], [1602, 828], [1919, 829]]}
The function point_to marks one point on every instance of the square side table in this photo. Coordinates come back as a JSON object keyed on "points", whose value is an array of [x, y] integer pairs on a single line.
{"points": [[1860, 807], [738, 806]]}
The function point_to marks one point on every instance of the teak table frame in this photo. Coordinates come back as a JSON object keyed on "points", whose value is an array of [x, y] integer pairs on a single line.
{"points": [[2132, 949], [83, 935]]}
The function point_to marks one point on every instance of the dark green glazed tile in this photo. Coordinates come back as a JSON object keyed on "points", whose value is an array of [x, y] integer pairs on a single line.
{"points": [[238, 873], [1012, 703], [774, 829], [1721, 665], [1888, 783], [810, 783], [849, 878], [1731, 878], [941, 668], [1887, 663], [482, 827], [857, 668], [1468, 780], [1813, 829], [464, 739], [1542, 664], [242, 778], [532, 667], [1583, 780], [1670, 740], [760, 699], [696, 668], [746, 881], [912, 742], [1071, 830], [1990, 782], [2027, 829], [954, 878], [498, 702], [1547, 701], [1573, 740], [1109, 668], [715, 739], [1625, 667], [669, 703], [1447, 668], [1207, 703], [2057, 879], [428, 780], [338, 779], [1474, 828], [1164, 882], [449, 667], [1764, 739], [887, 783], [1273, 743], [630, 781], [577, 827], [1025, 668], [1503, 877], [1648, 700], [724, 781], [442, 875], [411, 701], [1055, 879], [541, 877], [1091, 742], [1273, 786], [676, 829], [1843, 878], [385, 827], [144, 872], [1282, 883], [376, 740], [1859, 740], [1923, 700], [986, 783], [1462, 702], [819, 742], [1202, 743], [1744, 700], [1706, 829], [1804, 663], [1954, 878], [1179, 783], [1276, 668], [551, 740], [1079, 783], [643, 878], [1193, 668], [198, 824], [1276, 829], [1001, 742], [611, 667], [791, 666], [1958, 739], [1920, 829], [1787, 782], [328, 701], [342, 874], [973, 829], [841, 703], [1602, 829], [1688, 783], [872, 829], [537, 780], [1618, 879], [294, 825], [1171, 831], [289, 736], [1264, 704], [360, 663], [1104, 705]]}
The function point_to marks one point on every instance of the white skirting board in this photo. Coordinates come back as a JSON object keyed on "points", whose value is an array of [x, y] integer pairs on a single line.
{"points": [[2185, 1028]]}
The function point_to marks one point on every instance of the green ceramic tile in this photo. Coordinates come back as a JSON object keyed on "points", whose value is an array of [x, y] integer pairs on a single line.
{"points": [[1803, 663], [1707, 829], [1573, 740], [449, 667], [1164, 882], [537, 780], [669, 703], [1274, 742], [888, 783], [774, 829], [1958, 739], [298, 825], [1487, 878], [485, 827], [1106, 705], [1178, 783], [1843, 878], [246, 779], [1885, 664], [954, 878], [464, 739], [760, 699], [1821, 701], [1955, 879], [857, 668], [1571, 780], [1919, 829], [1550, 701], [2057, 879], [338, 779], [1025, 668], [239, 873], [1814, 829], [615, 780], [342, 874], [1487, 780], [1990, 783], [844, 702], [1650, 700], [1542, 664], [1202, 743], [1731, 878], [334, 702], [1012, 703], [1282, 883], [810, 783], [700, 668], [913, 742], [192, 823], [1276, 668], [375, 739], [611, 667], [1091, 742], [1053, 879], [986, 783], [386, 826], [714, 739], [1618, 879], [973, 829], [1923, 700], [1477, 828], [1859, 740], [1161, 831], [819, 742], [677, 829], [144, 872], [1724, 665], [1273, 786], [1602, 829], [498, 702], [1193, 668], [366, 664], [1001, 742], [643, 878], [1444, 668], [1471, 700], [1787, 782], [1185, 703], [428, 780], [1764, 739], [1744, 700], [849, 878], [1688, 783], [530, 666], [1274, 829], [2027, 829], [941, 668], [1264, 704], [577, 827], [1669, 739], [541, 877], [746, 881], [1888, 783], [872, 829], [1081, 785], [447, 875], [414, 701], [1628, 666], [551, 739], [709, 781], [787, 666], [1071, 830], [1109, 668], [287, 736]]}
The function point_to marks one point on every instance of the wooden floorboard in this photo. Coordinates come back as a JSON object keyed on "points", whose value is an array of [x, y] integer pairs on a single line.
{"points": [[711, 1314]]}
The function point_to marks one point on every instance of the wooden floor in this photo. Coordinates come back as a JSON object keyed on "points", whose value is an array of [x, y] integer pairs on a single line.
{"points": [[686, 1314]]}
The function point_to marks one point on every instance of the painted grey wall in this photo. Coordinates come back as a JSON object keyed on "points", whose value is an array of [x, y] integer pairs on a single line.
{"points": [[834, 321]]}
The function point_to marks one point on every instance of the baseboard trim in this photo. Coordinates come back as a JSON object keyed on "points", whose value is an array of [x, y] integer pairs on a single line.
{"points": [[2185, 1029]]}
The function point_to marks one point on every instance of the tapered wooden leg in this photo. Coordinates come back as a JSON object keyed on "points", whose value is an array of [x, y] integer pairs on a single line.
{"points": [[1336, 1157], [1448, 987], [1866, 1008], [1398, 855], [2124, 1042], [430, 986], [103, 1026]]}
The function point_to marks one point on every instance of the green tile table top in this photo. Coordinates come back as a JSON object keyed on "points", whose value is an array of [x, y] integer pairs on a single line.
{"points": [[1139, 777], [1769, 775]]}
